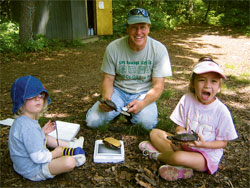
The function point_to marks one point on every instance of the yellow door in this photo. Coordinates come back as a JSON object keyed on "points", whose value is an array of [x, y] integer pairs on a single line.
{"points": [[104, 19]]}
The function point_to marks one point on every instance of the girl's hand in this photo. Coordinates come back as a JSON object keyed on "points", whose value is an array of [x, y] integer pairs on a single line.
{"points": [[199, 144], [216, 144], [176, 146], [49, 127]]}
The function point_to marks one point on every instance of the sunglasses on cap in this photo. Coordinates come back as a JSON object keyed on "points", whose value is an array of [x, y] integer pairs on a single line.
{"points": [[138, 11]]}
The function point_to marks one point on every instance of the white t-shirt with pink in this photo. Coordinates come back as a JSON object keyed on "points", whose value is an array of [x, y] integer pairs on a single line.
{"points": [[212, 122]]}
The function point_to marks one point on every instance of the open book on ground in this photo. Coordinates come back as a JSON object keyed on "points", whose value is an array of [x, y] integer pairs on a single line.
{"points": [[66, 131]]}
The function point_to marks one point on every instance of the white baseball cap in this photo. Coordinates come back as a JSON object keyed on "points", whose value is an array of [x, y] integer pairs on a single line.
{"points": [[208, 66]]}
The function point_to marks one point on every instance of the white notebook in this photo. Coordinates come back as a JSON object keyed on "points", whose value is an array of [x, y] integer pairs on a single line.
{"points": [[66, 131]]}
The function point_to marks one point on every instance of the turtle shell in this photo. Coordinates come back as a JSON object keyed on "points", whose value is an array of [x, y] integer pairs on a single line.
{"points": [[184, 137], [112, 143], [124, 111], [109, 103]]}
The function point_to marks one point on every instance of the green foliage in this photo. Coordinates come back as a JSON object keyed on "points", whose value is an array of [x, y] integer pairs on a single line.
{"points": [[164, 15], [9, 41], [36, 45], [9, 37], [170, 14], [213, 19]]}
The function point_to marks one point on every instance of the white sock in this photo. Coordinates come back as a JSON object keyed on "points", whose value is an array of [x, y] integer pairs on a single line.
{"points": [[80, 159], [77, 142], [155, 155]]}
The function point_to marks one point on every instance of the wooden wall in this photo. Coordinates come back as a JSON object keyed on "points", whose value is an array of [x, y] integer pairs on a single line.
{"points": [[61, 19]]}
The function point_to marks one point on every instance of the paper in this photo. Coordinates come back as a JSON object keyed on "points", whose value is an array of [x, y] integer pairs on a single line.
{"points": [[7, 122], [66, 131], [101, 5]]}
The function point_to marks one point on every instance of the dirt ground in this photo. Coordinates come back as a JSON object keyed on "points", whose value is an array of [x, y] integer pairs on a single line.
{"points": [[73, 78]]}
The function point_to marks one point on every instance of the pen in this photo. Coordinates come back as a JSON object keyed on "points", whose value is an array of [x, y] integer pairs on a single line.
{"points": [[57, 135]]}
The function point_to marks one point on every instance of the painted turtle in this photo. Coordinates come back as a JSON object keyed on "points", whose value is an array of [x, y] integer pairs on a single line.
{"points": [[124, 111], [112, 143], [184, 137], [109, 103]]}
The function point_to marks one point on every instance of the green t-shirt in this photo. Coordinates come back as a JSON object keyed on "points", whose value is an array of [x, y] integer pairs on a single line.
{"points": [[134, 70]]}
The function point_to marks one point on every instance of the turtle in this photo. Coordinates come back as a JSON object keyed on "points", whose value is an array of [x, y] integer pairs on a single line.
{"points": [[109, 103], [184, 137], [124, 111], [112, 143]]}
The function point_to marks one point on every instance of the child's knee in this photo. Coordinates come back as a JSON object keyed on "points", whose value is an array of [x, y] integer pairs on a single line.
{"points": [[179, 158], [157, 133], [154, 133], [69, 163]]}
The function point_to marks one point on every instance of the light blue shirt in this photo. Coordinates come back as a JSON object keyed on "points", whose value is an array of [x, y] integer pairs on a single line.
{"points": [[26, 137]]}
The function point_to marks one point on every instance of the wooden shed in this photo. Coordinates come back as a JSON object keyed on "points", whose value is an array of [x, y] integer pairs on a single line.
{"points": [[73, 19]]}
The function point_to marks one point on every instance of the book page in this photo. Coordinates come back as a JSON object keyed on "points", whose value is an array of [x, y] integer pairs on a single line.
{"points": [[66, 131]]}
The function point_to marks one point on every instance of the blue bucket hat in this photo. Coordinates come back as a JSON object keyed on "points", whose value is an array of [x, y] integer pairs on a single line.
{"points": [[138, 15], [24, 88]]}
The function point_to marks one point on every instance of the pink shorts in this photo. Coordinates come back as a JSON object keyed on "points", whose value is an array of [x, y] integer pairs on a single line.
{"points": [[186, 148]]}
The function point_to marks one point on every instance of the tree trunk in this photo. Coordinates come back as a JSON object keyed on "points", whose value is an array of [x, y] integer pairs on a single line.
{"points": [[191, 10], [208, 9], [26, 21]]}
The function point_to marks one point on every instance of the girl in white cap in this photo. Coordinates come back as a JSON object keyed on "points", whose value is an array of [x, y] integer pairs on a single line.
{"points": [[27, 140], [199, 111]]}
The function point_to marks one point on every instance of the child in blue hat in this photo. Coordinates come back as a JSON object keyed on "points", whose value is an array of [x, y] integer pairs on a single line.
{"points": [[27, 140]]}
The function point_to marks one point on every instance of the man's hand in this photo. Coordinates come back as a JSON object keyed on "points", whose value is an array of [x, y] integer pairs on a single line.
{"points": [[107, 91], [135, 106], [104, 107]]}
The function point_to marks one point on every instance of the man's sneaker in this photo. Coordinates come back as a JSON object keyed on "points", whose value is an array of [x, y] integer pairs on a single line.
{"points": [[80, 159], [148, 150], [172, 173], [77, 142]]}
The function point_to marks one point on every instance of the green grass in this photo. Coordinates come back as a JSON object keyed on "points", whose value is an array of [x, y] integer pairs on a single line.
{"points": [[166, 95]]}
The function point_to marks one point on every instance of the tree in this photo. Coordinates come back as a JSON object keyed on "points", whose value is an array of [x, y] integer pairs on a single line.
{"points": [[208, 9], [26, 21]]}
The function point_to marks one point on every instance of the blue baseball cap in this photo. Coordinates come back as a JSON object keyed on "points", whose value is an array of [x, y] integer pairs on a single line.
{"points": [[24, 88]]}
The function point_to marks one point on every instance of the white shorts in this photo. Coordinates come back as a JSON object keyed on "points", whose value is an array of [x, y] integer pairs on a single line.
{"points": [[44, 174]]}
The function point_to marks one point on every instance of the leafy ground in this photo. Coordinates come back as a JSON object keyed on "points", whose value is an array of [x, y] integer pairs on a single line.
{"points": [[73, 78]]}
